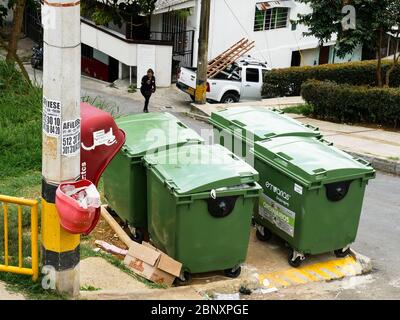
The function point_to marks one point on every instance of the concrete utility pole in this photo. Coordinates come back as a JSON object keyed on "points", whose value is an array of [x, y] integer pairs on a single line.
{"points": [[61, 136], [202, 60]]}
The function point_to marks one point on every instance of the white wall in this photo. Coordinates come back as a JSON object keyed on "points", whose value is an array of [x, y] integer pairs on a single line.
{"points": [[273, 46], [127, 53], [309, 57], [163, 65], [356, 55]]}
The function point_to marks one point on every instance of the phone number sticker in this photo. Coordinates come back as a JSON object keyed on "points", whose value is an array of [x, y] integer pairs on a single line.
{"points": [[71, 141], [51, 117]]}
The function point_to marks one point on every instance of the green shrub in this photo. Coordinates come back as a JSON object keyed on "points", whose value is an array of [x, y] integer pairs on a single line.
{"points": [[288, 81], [353, 104]]}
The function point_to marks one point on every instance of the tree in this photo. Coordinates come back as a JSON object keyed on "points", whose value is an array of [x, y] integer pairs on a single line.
{"points": [[374, 19], [394, 15], [18, 7], [104, 12]]}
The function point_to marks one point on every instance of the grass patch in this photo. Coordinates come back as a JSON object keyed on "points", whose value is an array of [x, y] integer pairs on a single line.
{"points": [[31, 290], [27, 186], [89, 288], [303, 109], [20, 163], [394, 158], [132, 88], [20, 124], [87, 251]]}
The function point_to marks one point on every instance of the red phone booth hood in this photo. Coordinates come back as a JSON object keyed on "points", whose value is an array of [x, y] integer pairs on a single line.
{"points": [[101, 140]]}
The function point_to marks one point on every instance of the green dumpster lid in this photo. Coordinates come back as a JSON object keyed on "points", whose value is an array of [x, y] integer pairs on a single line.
{"points": [[150, 131], [310, 161], [260, 122], [200, 168]]}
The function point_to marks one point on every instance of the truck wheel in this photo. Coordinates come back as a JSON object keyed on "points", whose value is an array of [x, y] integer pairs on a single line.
{"points": [[265, 236], [233, 273], [230, 98], [342, 254]]}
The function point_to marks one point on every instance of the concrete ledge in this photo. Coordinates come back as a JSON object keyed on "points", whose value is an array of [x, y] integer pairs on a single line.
{"points": [[381, 164]]}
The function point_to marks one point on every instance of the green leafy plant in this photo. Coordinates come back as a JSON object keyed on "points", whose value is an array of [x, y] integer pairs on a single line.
{"points": [[353, 104], [288, 81], [183, 14], [117, 12], [373, 20], [132, 88]]}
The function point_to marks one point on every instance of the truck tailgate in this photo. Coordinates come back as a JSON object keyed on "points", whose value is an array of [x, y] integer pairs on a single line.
{"points": [[188, 77]]}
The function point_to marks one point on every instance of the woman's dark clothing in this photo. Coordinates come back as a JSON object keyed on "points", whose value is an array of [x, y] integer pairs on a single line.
{"points": [[147, 89]]}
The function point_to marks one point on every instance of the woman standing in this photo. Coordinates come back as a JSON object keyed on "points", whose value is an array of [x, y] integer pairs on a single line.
{"points": [[148, 88]]}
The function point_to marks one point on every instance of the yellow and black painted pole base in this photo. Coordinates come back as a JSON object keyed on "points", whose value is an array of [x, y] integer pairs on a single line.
{"points": [[60, 249], [201, 93]]}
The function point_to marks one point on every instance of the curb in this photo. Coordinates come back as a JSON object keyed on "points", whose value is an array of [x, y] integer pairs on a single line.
{"points": [[380, 164], [354, 264]]}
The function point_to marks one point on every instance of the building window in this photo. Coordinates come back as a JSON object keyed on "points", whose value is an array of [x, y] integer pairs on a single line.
{"points": [[274, 18]]}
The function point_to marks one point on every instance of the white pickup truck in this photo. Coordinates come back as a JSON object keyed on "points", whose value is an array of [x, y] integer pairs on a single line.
{"points": [[240, 81]]}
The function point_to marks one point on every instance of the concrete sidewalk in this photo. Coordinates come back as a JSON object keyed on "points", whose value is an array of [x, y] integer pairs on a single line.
{"points": [[378, 146], [7, 295]]}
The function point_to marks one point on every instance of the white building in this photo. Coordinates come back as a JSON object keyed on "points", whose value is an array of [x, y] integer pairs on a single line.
{"points": [[277, 41], [169, 38]]}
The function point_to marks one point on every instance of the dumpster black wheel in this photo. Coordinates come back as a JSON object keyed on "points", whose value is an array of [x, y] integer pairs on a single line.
{"points": [[184, 280], [138, 236], [233, 273], [294, 263], [264, 237], [342, 254]]}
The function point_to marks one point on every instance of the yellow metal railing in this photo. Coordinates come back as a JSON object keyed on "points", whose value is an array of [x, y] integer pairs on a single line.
{"points": [[20, 203]]}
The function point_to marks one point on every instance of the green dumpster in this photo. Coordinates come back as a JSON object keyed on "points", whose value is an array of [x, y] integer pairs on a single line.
{"points": [[125, 177], [200, 205], [238, 128], [313, 195]]}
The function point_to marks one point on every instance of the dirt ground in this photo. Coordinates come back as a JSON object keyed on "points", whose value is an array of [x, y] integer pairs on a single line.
{"points": [[104, 232]]}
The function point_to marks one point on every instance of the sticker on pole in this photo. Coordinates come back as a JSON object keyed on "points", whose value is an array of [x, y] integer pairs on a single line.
{"points": [[277, 214], [71, 141], [51, 117]]}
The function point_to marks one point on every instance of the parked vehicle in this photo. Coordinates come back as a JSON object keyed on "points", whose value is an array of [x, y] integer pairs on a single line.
{"points": [[37, 57], [241, 80]]}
